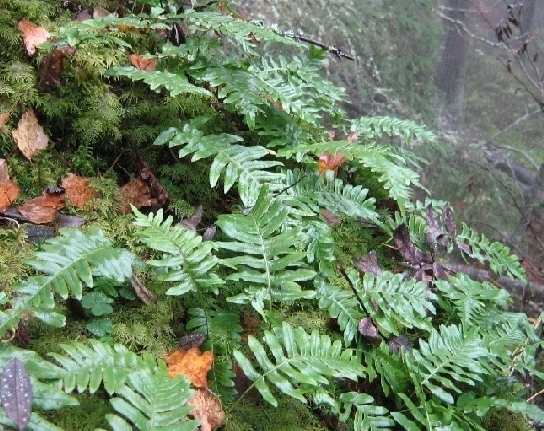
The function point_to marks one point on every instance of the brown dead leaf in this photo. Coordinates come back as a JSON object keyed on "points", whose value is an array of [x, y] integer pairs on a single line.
{"points": [[328, 161], [33, 35], [99, 12], [137, 193], [192, 363], [50, 68], [330, 217], [29, 135], [142, 292], [4, 117], [157, 191], [207, 407], [352, 137], [143, 63], [43, 209], [78, 190], [8, 188]]}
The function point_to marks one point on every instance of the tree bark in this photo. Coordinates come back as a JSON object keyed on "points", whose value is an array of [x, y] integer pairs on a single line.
{"points": [[451, 70]]}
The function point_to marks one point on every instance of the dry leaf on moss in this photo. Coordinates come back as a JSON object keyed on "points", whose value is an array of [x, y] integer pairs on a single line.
{"points": [[29, 135], [142, 63], [33, 35], [78, 190], [43, 209], [4, 117], [137, 193], [192, 363], [207, 407], [8, 188]]}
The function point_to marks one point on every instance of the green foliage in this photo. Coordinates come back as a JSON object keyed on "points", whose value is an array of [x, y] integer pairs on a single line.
{"points": [[298, 357], [439, 353]]}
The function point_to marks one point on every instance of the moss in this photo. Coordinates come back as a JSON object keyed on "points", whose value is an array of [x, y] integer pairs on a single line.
{"points": [[290, 415], [89, 415], [503, 420]]}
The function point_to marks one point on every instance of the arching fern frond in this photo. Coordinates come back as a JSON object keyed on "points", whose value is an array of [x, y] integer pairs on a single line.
{"points": [[368, 416], [267, 259], [376, 126], [300, 363], [188, 260], [394, 303], [396, 177], [500, 258], [244, 165]]}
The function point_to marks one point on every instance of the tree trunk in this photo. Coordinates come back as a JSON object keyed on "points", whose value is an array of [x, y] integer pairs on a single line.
{"points": [[451, 70]]}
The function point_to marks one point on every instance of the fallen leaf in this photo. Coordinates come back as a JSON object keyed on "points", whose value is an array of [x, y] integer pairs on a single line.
{"points": [[16, 393], [63, 220], [99, 12], [137, 193], [43, 209], [37, 234], [330, 217], [143, 63], [157, 191], [142, 292], [209, 233], [33, 35], [409, 251], [327, 161], [29, 135], [78, 190], [352, 137], [84, 15], [369, 263], [397, 343], [192, 363], [50, 68], [207, 407], [4, 117], [368, 330], [449, 223], [8, 188], [193, 221]]}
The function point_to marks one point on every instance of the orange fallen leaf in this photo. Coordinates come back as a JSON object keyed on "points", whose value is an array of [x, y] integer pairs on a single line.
{"points": [[143, 63], [137, 193], [192, 363], [207, 407], [8, 188], [328, 161], [29, 135], [33, 35], [78, 190], [43, 209]]}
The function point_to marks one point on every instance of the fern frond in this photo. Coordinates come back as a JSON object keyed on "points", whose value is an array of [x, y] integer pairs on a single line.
{"points": [[72, 259], [450, 358], [153, 401], [188, 260], [368, 416], [301, 363], [395, 175], [394, 303], [311, 191], [342, 306], [499, 256], [245, 165], [376, 126], [316, 238], [267, 258], [86, 367], [215, 324], [471, 301]]}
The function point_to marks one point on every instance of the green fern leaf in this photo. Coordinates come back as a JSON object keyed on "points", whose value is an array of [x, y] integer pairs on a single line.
{"points": [[367, 415], [343, 306], [267, 258], [153, 401], [450, 357], [376, 126], [498, 255], [316, 238], [188, 259], [237, 163], [175, 83], [298, 359], [74, 258], [87, 367], [394, 303], [312, 191]]}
